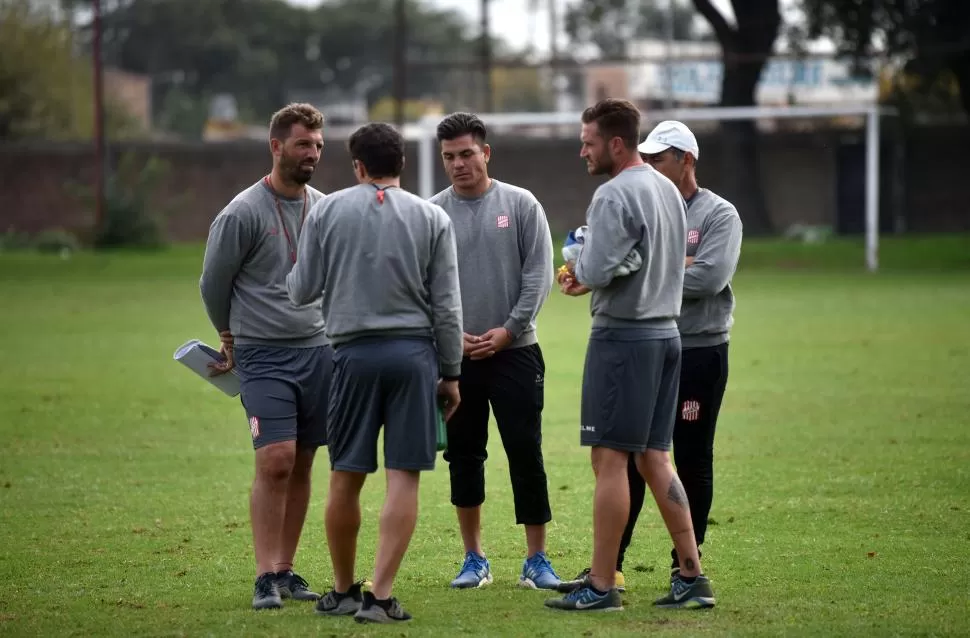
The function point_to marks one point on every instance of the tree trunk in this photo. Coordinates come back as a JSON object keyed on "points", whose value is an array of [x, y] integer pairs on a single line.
{"points": [[960, 66], [741, 158]]}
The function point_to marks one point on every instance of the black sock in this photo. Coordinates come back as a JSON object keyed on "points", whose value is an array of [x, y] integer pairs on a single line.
{"points": [[688, 579], [384, 604], [598, 592]]}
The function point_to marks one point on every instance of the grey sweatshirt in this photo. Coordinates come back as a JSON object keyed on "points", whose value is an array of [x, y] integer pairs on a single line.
{"points": [[385, 269], [714, 232], [243, 281], [504, 259], [643, 210]]}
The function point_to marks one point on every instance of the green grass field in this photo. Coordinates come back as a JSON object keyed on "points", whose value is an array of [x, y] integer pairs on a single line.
{"points": [[842, 503]]}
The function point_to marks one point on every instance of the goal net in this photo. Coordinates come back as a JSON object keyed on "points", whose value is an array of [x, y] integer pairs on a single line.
{"points": [[555, 124]]}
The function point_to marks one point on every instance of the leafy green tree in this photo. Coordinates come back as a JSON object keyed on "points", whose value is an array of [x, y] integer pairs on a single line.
{"points": [[746, 47], [932, 36], [45, 90]]}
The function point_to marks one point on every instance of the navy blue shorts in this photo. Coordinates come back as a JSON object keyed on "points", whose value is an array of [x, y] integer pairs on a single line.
{"points": [[389, 382], [630, 389], [285, 392]]}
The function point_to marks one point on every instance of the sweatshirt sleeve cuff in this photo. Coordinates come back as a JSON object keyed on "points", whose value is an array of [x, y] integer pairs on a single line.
{"points": [[514, 327], [450, 371]]}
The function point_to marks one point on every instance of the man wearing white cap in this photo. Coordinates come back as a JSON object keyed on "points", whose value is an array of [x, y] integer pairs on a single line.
{"points": [[713, 248]]}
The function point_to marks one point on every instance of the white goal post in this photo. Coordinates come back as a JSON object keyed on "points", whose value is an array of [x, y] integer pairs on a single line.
{"points": [[424, 133]]}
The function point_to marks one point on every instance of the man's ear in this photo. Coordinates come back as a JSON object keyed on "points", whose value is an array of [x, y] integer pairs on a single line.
{"points": [[616, 145], [487, 152]]}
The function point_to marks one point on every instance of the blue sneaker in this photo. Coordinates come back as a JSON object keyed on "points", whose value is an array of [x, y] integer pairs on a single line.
{"points": [[585, 599], [537, 573], [475, 572]]}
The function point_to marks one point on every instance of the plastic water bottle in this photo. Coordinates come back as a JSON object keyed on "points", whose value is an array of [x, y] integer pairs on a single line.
{"points": [[441, 428]]}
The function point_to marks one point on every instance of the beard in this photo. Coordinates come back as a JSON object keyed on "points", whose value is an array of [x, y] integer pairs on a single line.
{"points": [[295, 171], [602, 165]]}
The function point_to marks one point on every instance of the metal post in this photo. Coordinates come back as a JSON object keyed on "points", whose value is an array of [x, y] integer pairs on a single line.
{"points": [[553, 31], [486, 60], [426, 138], [669, 54], [872, 189], [99, 145], [400, 63]]}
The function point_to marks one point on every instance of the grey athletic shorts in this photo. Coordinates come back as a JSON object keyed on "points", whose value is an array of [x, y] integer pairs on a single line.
{"points": [[630, 388], [284, 392], [390, 382]]}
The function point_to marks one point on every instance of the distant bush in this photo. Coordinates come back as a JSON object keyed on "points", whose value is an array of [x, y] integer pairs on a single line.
{"points": [[55, 240], [128, 220]]}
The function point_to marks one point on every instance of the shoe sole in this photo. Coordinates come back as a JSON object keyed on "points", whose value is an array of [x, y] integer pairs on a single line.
{"points": [[485, 581], [306, 597], [268, 605], [338, 611], [380, 619], [691, 603], [528, 583], [599, 609], [571, 586]]}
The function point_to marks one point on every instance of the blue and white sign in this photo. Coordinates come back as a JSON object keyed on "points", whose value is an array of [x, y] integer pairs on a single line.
{"points": [[814, 81]]}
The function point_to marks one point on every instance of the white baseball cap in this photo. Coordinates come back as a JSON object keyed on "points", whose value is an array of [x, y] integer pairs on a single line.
{"points": [[667, 134]]}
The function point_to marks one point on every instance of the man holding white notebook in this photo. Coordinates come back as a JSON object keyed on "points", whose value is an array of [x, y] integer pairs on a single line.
{"points": [[278, 349]]}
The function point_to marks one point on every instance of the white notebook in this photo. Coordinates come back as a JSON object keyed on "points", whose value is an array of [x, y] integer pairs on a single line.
{"points": [[196, 356]]}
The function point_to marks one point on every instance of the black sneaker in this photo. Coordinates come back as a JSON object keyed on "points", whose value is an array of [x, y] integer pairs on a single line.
{"points": [[683, 595], [293, 586], [266, 594], [568, 586], [334, 603], [380, 611], [585, 599]]}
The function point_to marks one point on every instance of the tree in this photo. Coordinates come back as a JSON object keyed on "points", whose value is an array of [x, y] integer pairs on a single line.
{"points": [[519, 90], [612, 24], [45, 90], [746, 47], [745, 50], [261, 51], [933, 36]]}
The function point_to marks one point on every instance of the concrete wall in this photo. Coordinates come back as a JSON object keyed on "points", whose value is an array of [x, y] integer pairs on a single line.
{"points": [[800, 172]]}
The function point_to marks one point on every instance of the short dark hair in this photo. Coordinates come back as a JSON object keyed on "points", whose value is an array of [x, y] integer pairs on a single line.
{"points": [[458, 124], [283, 120], [380, 148], [616, 118]]}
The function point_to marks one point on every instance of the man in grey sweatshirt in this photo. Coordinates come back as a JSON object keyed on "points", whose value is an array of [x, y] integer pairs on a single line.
{"points": [[713, 238], [633, 359], [278, 348], [385, 262], [506, 269], [714, 233]]}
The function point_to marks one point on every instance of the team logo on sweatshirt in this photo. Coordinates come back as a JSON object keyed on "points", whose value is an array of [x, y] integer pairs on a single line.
{"points": [[502, 221], [693, 237]]}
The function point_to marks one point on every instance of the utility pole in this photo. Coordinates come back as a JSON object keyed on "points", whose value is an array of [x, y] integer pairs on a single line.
{"points": [[100, 159], [400, 62], [553, 31], [486, 59], [669, 53]]}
